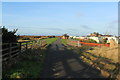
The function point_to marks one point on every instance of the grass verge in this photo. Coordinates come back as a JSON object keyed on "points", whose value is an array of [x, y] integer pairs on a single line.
{"points": [[107, 66], [29, 66]]}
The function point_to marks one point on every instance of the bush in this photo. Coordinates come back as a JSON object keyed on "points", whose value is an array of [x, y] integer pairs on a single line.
{"points": [[16, 75], [9, 36]]}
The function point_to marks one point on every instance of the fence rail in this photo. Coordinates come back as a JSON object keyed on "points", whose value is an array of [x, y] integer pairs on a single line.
{"points": [[11, 50]]}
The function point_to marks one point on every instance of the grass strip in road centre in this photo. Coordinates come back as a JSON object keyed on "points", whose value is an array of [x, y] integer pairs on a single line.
{"points": [[50, 41], [64, 41]]}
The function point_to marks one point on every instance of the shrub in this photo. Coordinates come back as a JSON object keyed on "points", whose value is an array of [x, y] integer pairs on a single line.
{"points": [[16, 75], [9, 36]]}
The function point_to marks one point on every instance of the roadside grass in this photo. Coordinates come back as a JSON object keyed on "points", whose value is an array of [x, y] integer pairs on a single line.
{"points": [[106, 52], [104, 59], [30, 64], [97, 58]]}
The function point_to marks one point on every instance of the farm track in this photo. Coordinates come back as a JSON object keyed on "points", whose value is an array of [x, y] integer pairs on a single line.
{"points": [[63, 63]]}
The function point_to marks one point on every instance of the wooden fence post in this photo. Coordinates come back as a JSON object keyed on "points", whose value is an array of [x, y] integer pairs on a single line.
{"points": [[40, 43], [67, 41], [10, 45], [26, 45], [46, 42], [32, 45], [20, 47], [36, 44], [79, 44]]}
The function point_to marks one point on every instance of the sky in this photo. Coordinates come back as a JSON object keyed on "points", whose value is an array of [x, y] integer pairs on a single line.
{"points": [[58, 18]]}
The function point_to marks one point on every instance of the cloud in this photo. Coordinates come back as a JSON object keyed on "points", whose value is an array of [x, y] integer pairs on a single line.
{"points": [[71, 29], [59, 29], [56, 29], [113, 27], [85, 27], [79, 14], [113, 24]]}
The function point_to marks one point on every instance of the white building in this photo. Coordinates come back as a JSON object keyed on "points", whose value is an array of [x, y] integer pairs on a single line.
{"points": [[100, 39], [74, 37], [77, 37], [115, 38], [97, 39], [82, 37]]}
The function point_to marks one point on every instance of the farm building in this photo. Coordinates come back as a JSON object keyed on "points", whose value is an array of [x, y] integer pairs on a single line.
{"points": [[100, 39], [82, 37], [77, 37], [97, 39], [115, 38]]}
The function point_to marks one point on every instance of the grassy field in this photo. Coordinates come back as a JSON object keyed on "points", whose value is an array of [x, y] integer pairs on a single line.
{"points": [[30, 64]]}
